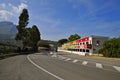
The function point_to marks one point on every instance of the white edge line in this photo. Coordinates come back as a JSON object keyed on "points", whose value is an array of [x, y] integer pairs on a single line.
{"points": [[117, 68], [44, 69]]}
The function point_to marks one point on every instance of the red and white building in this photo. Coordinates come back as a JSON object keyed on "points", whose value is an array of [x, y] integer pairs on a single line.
{"points": [[85, 46]]}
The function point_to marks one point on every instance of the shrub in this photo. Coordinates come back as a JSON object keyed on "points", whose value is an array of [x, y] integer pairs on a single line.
{"points": [[111, 48]]}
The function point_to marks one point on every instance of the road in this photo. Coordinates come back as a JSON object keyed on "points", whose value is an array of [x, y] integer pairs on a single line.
{"points": [[41, 66], [106, 61]]}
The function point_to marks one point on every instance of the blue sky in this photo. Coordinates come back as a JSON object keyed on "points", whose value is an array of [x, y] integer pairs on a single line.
{"points": [[58, 19]]}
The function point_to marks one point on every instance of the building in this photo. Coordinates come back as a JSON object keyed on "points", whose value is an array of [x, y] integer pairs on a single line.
{"points": [[86, 45]]}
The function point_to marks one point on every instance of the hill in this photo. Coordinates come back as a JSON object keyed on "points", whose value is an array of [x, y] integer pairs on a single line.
{"points": [[7, 30]]}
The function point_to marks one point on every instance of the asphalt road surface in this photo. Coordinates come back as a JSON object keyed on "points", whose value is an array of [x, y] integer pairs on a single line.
{"points": [[51, 67]]}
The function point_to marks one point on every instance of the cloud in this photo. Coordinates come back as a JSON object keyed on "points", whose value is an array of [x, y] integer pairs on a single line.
{"points": [[2, 5], [5, 15], [8, 11], [19, 8]]}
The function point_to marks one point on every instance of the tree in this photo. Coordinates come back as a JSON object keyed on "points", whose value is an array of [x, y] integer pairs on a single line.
{"points": [[111, 48], [28, 40], [32, 37], [62, 41], [29, 36], [21, 27], [35, 36], [73, 37]]}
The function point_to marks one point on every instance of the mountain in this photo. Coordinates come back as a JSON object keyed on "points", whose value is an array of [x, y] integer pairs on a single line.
{"points": [[7, 30]]}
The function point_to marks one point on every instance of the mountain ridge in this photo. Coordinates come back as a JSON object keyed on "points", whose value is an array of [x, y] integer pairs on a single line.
{"points": [[7, 30]]}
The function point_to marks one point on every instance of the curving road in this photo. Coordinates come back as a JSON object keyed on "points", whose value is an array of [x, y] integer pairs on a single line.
{"points": [[45, 67]]}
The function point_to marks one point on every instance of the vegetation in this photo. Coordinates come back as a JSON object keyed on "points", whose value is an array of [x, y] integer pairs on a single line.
{"points": [[7, 48], [43, 44], [73, 37], [70, 38], [62, 41], [29, 36], [47, 43], [7, 51], [111, 48], [23, 21], [33, 37]]}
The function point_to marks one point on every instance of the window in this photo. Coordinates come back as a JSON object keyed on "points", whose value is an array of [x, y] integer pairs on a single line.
{"points": [[83, 43], [80, 50], [87, 43], [83, 50], [87, 50], [80, 43], [77, 50]]}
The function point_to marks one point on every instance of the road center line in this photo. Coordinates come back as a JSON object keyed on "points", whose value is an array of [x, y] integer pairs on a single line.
{"points": [[59, 78]]}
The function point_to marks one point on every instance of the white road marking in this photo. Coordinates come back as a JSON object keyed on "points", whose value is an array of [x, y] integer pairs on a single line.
{"points": [[117, 68], [51, 52], [74, 61], [59, 78], [61, 57], [54, 55], [98, 65], [68, 59], [84, 62]]}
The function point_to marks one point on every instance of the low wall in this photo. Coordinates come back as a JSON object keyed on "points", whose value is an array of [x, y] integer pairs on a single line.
{"points": [[8, 55], [79, 53]]}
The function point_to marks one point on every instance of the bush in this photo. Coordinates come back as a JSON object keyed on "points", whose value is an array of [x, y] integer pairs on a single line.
{"points": [[111, 48], [6, 50]]}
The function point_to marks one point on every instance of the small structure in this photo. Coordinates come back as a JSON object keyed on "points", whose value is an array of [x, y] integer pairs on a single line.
{"points": [[86, 45]]}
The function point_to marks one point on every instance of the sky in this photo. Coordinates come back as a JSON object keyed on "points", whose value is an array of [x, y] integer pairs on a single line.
{"points": [[57, 19]]}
